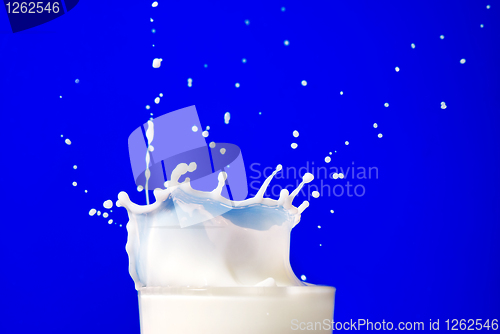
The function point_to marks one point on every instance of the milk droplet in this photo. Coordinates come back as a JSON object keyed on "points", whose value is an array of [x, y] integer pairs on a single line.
{"points": [[157, 62], [227, 117], [295, 133], [386, 104], [92, 212], [85, 190], [331, 211], [204, 134], [98, 213], [110, 221], [328, 159], [67, 141], [148, 107], [207, 128], [237, 85], [303, 277], [74, 184], [488, 6], [341, 93], [212, 145], [194, 128], [462, 61], [77, 81], [157, 100], [222, 151], [380, 135], [286, 42], [442, 36], [244, 60], [294, 145], [75, 167], [105, 215], [375, 125], [397, 69], [482, 25], [412, 45], [308, 177], [315, 194], [341, 175], [247, 22], [346, 142], [108, 204], [140, 188], [282, 9], [319, 226], [154, 4], [304, 83], [335, 176], [161, 94], [151, 19]]}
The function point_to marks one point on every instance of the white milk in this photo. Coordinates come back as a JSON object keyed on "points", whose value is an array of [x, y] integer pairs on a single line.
{"points": [[225, 273]]}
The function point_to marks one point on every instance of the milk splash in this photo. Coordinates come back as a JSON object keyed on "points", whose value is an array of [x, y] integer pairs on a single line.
{"points": [[245, 245]]}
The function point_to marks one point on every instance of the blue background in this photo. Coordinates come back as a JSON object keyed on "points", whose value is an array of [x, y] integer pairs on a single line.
{"points": [[423, 243]]}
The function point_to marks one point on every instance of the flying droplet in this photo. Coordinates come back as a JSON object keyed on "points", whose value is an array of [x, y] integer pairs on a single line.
{"points": [[331, 211], [148, 107], [303, 277], [110, 221], [154, 4], [98, 213], [67, 141], [92, 212], [157, 100], [380, 135], [386, 105], [328, 159], [462, 61], [108, 204], [315, 194], [294, 145], [442, 36], [412, 45], [346, 142], [74, 184], [75, 167], [194, 128], [282, 9], [397, 69], [105, 215], [286, 42], [161, 94], [227, 117], [295, 133], [244, 60], [247, 22], [212, 145], [375, 125], [304, 83], [204, 134], [222, 151], [237, 85], [341, 175], [157, 62], [335, 176], [140, 188], [77, 81]]}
